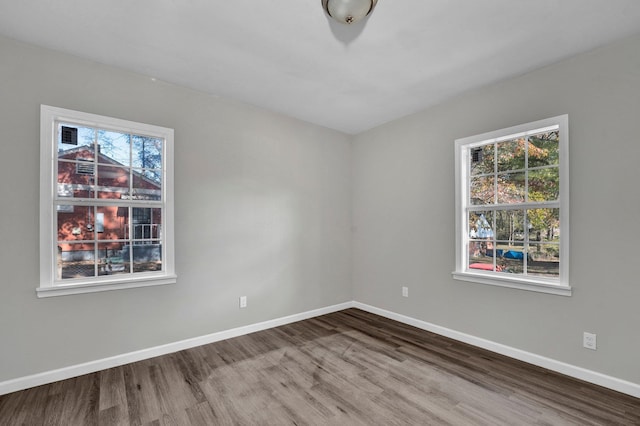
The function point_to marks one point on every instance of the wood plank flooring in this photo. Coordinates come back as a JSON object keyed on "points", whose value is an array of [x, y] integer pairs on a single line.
{"points": [[345, 368]]}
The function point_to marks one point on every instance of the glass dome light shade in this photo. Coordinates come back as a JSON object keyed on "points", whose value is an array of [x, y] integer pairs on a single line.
{"points": [[348, 11]]}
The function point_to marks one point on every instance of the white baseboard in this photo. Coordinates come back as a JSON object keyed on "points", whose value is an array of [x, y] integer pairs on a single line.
{"points": [[600, 379], [115, 361]]}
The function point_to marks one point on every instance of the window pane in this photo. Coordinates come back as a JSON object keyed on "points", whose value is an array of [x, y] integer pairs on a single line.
{"points": [[481, 190], [71, 137], [544, 184], [75, 223], [147, 257], [146, 223], [544, 149], [511, 155], [510, 226], [481, 224], [113, 182], [65, 208], [111, 223], [115, 148], [481, 245], [511, 188], [156, 223], [155, 175], [75, 190], [544, 260], [147, 152], [111, 260], [544, 224], [147, 184], [481, 159], [75, 171], [76, 260], [512, 260], [82, 153], [482, 263], [75, 179]]}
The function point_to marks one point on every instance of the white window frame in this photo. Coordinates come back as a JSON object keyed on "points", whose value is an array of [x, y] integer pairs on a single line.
{"points": [[50, 285], [559, 286]]}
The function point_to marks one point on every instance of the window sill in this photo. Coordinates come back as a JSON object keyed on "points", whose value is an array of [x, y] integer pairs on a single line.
{"points": [[80, 287], [539, 286]]}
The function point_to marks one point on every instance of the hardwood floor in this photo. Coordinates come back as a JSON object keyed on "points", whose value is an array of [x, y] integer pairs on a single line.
{"points": [[345, 368]]}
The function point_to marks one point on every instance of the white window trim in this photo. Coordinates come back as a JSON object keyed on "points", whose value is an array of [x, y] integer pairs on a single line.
{"points": [[537, 284], [48, 187]]}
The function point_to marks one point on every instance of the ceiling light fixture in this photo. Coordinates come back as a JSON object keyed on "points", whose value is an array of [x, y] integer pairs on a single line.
{"points": [[348, 11]]}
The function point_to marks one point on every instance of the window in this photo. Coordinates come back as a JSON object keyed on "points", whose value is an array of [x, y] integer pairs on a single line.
{"points": [[106, 194], [512, 195]]}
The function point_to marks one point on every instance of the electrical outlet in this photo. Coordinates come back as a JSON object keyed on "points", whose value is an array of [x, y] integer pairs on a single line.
{"points": [[405, 291], [589, 341], [243, 301]]}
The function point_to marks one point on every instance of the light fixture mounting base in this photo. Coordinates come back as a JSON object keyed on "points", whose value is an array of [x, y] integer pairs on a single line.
{"points": [[348, 11]]}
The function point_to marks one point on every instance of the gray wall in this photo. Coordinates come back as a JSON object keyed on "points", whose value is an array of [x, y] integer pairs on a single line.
{"points": [[262, 210], [265, 205], [403, 207]]}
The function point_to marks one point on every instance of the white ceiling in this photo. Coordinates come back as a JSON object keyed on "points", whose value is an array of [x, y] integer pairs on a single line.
{"points": [[289, 57]]}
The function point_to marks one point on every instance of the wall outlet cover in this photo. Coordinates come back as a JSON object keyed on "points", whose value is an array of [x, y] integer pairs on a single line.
{"points": [[589, 341]]}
